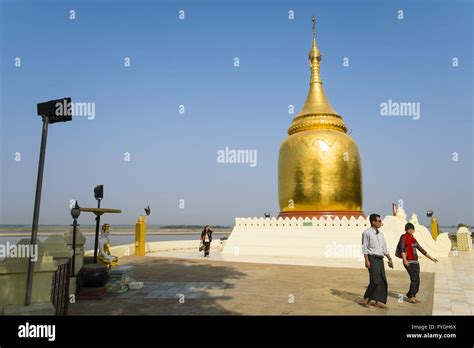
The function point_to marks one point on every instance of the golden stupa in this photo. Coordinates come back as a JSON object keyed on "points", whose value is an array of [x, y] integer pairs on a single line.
{"points": [[319, 169]]}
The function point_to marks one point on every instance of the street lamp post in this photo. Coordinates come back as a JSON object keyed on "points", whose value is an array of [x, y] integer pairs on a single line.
{"points": [[52, 111], [98, 194], [434, 224], [75, 212]]}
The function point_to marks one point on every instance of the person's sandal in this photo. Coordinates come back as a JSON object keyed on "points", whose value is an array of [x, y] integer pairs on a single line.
{"points": [[381, 305], [417, 300], [412, 300]]}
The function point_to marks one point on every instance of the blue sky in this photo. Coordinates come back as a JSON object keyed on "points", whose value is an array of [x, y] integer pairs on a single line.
{"points": [[190, 62]]}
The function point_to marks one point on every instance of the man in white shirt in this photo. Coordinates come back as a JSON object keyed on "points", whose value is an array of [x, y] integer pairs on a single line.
{"points": [[374, 249]]}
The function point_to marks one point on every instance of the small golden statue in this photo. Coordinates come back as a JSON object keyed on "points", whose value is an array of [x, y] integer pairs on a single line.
{"points": [[104, 257]]}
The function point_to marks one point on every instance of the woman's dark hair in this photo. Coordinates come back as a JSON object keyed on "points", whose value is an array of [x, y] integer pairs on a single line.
{"points": [[373, 218], [409, 226]]}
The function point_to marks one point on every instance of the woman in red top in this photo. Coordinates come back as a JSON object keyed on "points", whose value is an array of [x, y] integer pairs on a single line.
{"points": [[409, 245]]}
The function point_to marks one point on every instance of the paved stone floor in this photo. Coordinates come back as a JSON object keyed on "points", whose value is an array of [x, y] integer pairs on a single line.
{"points": [[208, 287], [216, 255], [178, 290], [454, 285]]}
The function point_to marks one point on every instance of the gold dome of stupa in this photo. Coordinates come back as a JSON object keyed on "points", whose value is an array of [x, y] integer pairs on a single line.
{"points": [[319, 167]]}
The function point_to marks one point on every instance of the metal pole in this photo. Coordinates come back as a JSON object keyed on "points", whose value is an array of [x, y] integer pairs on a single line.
{"points": [[74, 224], [96, 244], [34, 230]]}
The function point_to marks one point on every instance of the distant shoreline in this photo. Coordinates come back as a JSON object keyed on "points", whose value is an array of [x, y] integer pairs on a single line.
{"points": [[9, 227], [126, 230], [118, 226]]}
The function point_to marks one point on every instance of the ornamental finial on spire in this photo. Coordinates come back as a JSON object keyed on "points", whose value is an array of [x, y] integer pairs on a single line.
{"points": [[314, 54]]}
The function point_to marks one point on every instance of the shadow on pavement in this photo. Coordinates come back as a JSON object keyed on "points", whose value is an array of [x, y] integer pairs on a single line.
{"points": [[150, 270]]}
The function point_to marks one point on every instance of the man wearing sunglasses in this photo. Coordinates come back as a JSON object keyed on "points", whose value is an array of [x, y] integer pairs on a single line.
{"points": [[374, 249]]}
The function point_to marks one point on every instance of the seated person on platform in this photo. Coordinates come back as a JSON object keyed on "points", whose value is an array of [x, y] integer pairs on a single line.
{"points": [[104, 249]]}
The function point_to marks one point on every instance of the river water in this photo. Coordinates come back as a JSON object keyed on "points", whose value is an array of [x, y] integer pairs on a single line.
{"points": [[124, 239]]}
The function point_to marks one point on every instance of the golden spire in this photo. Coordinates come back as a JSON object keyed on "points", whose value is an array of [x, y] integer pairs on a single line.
{"points": [[317, 112]]}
